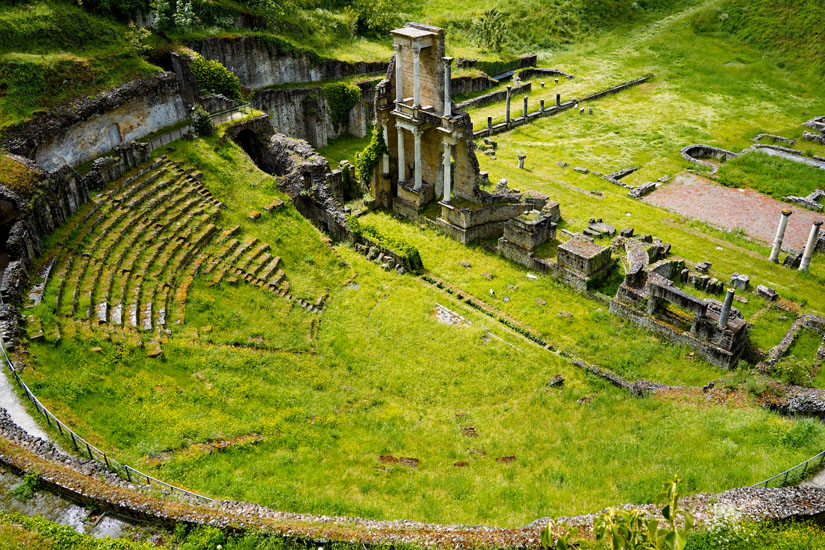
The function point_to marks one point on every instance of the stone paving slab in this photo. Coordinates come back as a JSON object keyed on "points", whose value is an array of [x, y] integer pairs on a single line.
{"points": [[697, 197]]}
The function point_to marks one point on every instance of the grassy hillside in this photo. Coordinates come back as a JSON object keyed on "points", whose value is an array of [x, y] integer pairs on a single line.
{"points": [[789, 30], [52, 51]]}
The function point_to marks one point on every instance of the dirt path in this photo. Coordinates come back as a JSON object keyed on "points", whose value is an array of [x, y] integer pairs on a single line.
{"points": [[697, 197]]}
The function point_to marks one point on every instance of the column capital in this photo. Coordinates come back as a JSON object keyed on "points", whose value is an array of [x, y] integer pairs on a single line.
{"points": [[818, 223], [417, 132], [787, 212], [396, 47], [416, 50], [447, 60]]}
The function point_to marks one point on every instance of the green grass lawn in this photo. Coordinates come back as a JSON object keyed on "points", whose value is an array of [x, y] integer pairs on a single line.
{"points": [[774, 176], [377, 374]]}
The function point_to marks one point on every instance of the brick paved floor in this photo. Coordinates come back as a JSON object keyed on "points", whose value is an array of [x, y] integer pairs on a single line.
{"points": [[697, 197]]}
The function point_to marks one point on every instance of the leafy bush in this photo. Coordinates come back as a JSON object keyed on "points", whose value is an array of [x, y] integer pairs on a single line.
{"points": [[201, 122], [367, 160], [341, 98], [121, 9], [376, 16], [214, 78]]}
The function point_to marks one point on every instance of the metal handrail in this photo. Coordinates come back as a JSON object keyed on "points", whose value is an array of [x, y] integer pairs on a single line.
{"points": [[785, 475], [80, 444]]}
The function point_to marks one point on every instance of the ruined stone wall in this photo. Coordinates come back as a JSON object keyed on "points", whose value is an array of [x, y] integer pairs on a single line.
{"points": [[258, 65], [303, 113], [88, 128], [468, 84], [101, 134]]}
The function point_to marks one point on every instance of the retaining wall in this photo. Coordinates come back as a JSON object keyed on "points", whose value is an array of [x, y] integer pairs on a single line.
{"points": [[259, 65], [303, 113], [89, 128]]}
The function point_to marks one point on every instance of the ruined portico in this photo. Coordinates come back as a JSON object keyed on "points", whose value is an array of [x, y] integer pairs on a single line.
{"points": [[431, 154]]}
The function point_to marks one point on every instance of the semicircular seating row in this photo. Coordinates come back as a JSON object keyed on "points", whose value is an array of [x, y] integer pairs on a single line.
{"points": [[128, 263]]}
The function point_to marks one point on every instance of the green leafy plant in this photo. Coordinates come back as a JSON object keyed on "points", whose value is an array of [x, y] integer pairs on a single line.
{"points": [[633, 529], [201, 122], [214, 78], [26, 490], [491, 29], [368, 158], [341, 98]]}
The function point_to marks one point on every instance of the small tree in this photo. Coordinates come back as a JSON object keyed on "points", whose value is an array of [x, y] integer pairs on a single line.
{"points": [[201, 122]]}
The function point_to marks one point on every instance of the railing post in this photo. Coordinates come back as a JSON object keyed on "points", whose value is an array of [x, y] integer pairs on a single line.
{"points": [[91, 456], [106, 460], [128, 475], [74, 442], [785, 481]]}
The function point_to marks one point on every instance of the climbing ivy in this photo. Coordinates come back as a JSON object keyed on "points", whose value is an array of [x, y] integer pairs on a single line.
{"points": [[367, 160], [214, 78], [341, 98]]}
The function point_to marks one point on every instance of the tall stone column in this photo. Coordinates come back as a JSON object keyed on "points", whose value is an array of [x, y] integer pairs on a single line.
{"points": [[417, 135], [416, 77], [399, 83], [385, 158], [448, 172], [725, 314], [780, 236], [402, 165], [448, 75], [809, 248], [507, 108]]}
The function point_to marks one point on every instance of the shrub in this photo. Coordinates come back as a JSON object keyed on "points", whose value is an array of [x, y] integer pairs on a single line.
{"points": [[214, 78], [201, 122], [341, 98], [367, 160], [376, 16]]}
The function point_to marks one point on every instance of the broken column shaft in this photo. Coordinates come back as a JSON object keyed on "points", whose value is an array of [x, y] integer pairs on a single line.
{"points": [[524, 110], [809, 248], [724, 315], [780, 236], [507, 106]]}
